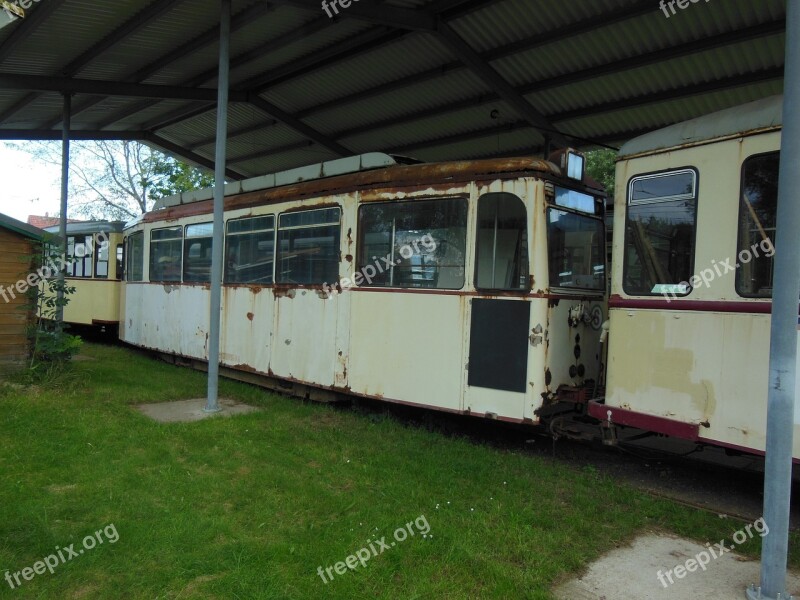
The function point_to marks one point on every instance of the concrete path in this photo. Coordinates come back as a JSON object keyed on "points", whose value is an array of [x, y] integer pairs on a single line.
{"points": [[633, 572]]}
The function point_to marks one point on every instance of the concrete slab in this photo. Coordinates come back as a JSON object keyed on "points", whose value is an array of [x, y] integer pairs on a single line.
{"points": [[184, 411], [632, 572]]}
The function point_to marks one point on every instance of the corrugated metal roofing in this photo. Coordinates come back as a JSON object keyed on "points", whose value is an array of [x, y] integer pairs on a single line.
{"points": [[383, 76]]}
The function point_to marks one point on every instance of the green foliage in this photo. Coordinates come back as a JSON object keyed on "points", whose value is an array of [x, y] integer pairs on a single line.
{"points": [[601, 166], [170, 176], [52, 347]]}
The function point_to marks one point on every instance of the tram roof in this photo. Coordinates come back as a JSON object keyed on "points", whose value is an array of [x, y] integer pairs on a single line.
{"points": [[399, 176], [434, 79], [760, 115], [88, 227]]}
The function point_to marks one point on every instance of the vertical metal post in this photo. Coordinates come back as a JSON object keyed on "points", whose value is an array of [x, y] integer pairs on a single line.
{"points": [[62, 225], [783, 335], [219, 201]]}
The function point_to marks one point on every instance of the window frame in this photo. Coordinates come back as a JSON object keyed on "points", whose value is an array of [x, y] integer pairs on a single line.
{"points": [[359, 267], [278, 229], [73, 259], [736, 282], [594, 217], [97, 246], [185, 254], [695, 197], [274, 230], [129, 255], [521, 290], [119, 261], [150, 262]]}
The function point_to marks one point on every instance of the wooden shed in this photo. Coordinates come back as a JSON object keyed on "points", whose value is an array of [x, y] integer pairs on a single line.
{"points": [[19, 242]]}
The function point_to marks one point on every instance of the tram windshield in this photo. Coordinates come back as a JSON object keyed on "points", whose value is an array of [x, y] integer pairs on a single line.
{"points": [[575, 248]]}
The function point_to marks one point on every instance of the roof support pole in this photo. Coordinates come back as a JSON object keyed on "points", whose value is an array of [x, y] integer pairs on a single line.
{"points": [[62, 224], [784, 334], [219, 201]]}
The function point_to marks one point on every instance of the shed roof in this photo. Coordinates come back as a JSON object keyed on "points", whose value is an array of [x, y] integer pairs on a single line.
{"points": [[434, 79], [23, 229]]}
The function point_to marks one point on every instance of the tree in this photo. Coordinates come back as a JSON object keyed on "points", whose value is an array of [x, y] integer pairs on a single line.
{"points": [[118, 180], [601, 166]]}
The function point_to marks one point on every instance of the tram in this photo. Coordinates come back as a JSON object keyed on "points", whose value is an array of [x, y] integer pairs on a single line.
{"points": [[473, 287], [94, 269], [691, 286]]}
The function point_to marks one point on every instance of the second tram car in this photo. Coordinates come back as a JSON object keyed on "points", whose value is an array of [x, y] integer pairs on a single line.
{"points": [[692, 279]]}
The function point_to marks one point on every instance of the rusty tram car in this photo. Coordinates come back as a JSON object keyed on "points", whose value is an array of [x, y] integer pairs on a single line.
{"points": [[473, 287], [480, 287]]}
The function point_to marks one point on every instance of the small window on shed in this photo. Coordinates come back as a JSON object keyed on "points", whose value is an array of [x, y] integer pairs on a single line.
{"points": [[197, 253], [165, 254], [660, 233], [308, 246]]}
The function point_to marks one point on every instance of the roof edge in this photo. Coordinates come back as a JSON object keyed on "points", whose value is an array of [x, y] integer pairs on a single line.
{"points": [[761, 115], [28, 231]]}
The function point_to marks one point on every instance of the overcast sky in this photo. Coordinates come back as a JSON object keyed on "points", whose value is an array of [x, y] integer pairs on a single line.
{"points": [[27, 187]]}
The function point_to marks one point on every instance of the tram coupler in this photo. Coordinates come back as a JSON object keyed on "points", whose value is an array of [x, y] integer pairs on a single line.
{"points": [[608, 433]]}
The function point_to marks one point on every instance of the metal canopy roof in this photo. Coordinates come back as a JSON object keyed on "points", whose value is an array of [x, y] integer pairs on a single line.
{"points": [[432, 79]]}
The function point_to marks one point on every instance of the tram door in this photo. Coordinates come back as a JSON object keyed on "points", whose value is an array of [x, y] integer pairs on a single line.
{"points": [[500, 312]]}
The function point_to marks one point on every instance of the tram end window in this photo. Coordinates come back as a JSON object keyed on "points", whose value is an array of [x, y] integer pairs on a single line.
{"points": [[660, 233], [502, 243]]}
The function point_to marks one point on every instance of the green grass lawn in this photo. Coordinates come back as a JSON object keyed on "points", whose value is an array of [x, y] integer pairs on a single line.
{"points": [[251, 506]]}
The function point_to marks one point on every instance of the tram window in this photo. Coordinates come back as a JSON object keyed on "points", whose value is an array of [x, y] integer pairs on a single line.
{"points": [[502, 255], [308, 246], [101, 251], [660, 230], [120, 261], [758, 206], [165, 254], [135, 256], [413, 244], [250, 252], [197, 252], [576, 250], [79, 256]]}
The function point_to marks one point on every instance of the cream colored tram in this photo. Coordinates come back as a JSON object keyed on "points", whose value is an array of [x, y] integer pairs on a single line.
{"points": [[94, 269], [472, 287], [692, 279]]}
